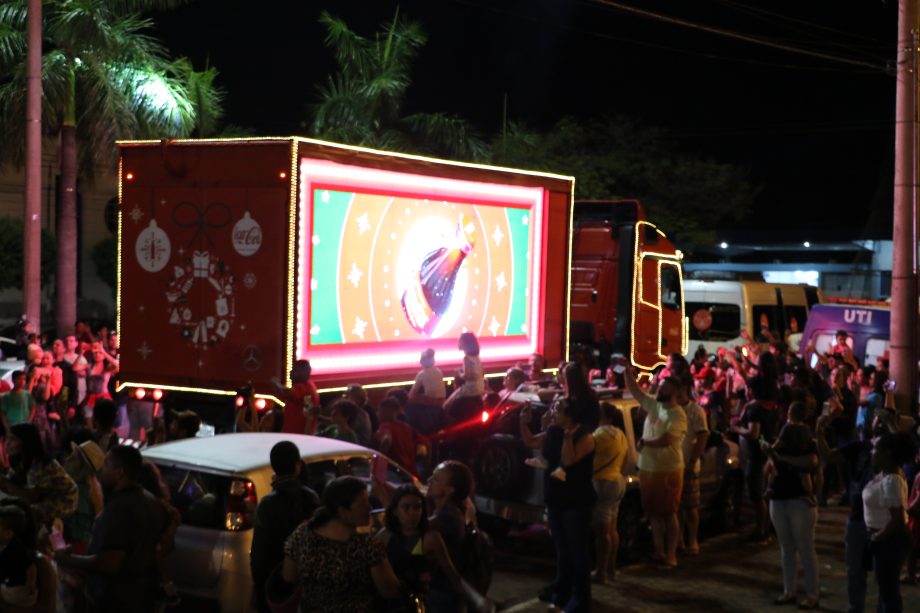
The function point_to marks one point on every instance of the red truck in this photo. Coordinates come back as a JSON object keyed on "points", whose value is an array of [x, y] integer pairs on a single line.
{"points": [[239, 256]]}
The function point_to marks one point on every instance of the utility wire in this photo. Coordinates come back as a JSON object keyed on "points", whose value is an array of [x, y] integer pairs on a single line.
{"points": [[643, 43], [739, 35]]}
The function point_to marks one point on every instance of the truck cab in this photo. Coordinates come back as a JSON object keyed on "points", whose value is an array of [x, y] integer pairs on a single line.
{"points": [[626, 285]]}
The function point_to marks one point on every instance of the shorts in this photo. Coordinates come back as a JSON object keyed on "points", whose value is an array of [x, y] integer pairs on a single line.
{"points": [[690, 494], [609, 495], [660, 491]]}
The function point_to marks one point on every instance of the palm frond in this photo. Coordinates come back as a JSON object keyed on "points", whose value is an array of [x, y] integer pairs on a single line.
{"points": [[446, 135], [206, 97], [342, 109], [353, 53], [13, 40]]}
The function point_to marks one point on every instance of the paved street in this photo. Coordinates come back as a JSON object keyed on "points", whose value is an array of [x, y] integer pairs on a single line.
{"points": [[729, 575]]}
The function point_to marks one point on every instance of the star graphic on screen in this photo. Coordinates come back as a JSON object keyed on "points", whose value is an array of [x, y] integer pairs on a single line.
{"points": [[360, 326], [324, 196], [524, 220], [497, 236], [494, 326], [136, 214], [500, 282], [314, 330], [355, 275], [363, 225]]}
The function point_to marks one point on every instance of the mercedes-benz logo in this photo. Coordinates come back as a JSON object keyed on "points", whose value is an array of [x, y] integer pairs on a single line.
{"points": [[251, 360]]}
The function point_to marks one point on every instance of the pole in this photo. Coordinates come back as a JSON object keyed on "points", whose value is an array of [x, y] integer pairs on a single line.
{"points": [[32, 219], [903, 346]]}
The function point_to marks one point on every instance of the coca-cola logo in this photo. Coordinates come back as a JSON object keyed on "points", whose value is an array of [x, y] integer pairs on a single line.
{"points": [[247, 235]]}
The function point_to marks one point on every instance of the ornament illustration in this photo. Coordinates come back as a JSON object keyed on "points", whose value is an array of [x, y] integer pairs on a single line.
{"points": [[429, 295], [202, 272], [152, 248], [247, 235]]}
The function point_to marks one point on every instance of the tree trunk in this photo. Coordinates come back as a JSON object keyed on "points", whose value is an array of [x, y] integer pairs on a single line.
{"points": [[67, 256]]}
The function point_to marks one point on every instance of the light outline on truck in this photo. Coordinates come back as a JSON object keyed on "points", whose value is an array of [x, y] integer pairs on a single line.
{"points": [[664, 258]]}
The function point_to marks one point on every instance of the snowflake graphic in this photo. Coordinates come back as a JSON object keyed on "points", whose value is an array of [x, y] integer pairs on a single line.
{"points": [[144, 350], [363, 224], [360, 326], [355, 275], [494, 326], [136, 214], [497, 236], [500, 281]]}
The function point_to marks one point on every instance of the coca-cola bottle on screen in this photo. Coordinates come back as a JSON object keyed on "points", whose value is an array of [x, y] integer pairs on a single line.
{"points": [[429, 295]]}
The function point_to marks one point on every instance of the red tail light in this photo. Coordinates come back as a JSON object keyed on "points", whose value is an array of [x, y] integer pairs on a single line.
{"points": [[241, 505], [157, 395], [140, 393], [485, 416], [240, 401], [260, 404]]}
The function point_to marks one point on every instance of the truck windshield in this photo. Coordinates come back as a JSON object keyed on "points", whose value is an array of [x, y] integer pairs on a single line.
{"points": [[670, 286], [724, 321]]}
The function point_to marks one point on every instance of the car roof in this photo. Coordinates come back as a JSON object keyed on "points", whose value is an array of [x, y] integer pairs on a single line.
{"points": [[247, 451]]}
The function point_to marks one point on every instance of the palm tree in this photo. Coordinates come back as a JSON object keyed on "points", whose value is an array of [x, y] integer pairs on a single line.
{"points": [[362, 103], [103, 78]]}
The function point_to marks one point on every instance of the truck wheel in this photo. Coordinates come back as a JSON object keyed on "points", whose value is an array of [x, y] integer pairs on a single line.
{"points": [[728, 511], [500, 469]]}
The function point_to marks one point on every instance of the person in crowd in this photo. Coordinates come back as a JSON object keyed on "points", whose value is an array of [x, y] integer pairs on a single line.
{"points": [[569, 493], [534, 368], [17, 405], [79, 367], [426, 396], [151, 480], [279, 512], [301, 400], [913, 527], [450, 487], [872, 401], [398, 439], [121, 561], [793, 506], [759, 418], [247, 414], [44, 382], [101, 368], [692, 447], [343, 415], [467, 398], [842, 351], [18, 570], [885, 511], [83, 465], [400, 395], [103, 424], [184, 424], [362, 424], [37, 477], [419, 556], [338, 569], [610, 450], [356, 393], [661, 463]]}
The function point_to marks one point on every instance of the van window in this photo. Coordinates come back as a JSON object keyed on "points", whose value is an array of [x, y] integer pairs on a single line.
{"points": [[825, 341], [798, 314], [875, 348], [765, 316], [725, 325], [200, 498], [670, 286]]}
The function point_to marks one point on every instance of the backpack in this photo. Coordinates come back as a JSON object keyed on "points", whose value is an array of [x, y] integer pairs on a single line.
{"points": [[476, 558]]}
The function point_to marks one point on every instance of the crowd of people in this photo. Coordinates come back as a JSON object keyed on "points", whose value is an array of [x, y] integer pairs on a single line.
{"points": [[809, 437]]}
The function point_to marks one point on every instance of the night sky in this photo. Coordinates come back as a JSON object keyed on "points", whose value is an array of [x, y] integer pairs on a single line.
{"points": [[816, 135]]}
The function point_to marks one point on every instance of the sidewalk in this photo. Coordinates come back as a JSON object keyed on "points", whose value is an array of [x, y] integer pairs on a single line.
{"points": [[729, 576]]}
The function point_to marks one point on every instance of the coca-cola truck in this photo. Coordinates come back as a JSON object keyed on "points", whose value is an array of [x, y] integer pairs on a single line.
{"points": [[238, 257]]}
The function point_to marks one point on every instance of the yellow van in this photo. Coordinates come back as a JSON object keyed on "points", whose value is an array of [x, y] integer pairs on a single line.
{"points": [[718, 311]]}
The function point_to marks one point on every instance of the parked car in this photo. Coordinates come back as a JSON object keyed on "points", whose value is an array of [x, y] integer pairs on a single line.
{"points": [[510, 492], [216, 483]]}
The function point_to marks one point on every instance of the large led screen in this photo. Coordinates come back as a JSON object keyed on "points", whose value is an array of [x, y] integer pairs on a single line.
{"points": [[395, 262]]}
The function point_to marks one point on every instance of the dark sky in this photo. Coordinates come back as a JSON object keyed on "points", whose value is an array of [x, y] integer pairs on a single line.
{"points": [[816, 135]]}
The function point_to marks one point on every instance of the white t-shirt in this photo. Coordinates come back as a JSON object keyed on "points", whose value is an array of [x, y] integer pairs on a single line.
{"points": [[660, 419], [431, 382], [696, 423], [884, 492]]}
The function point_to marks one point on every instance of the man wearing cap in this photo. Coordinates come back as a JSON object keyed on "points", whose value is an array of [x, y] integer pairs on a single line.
{"points": [[121, 559], [278, 514]]}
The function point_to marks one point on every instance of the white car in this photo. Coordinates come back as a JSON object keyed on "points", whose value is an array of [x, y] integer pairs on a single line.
{"points": [[216, 483], [8, 367]]}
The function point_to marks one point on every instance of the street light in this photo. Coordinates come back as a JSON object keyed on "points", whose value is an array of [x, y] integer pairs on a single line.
{"points": [[806, 244], [723, 245]]}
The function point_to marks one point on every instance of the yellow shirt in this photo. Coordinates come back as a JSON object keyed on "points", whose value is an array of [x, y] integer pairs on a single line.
{"points": [[609, 452]]}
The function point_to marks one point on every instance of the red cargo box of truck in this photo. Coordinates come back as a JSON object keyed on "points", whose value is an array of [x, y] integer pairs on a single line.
{"points": [[237, 257]]}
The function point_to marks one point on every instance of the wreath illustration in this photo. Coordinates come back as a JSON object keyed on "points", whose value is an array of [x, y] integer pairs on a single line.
{"points": [[202, 269]]}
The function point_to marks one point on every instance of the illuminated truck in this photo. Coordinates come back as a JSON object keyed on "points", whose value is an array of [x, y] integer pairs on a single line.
{"points": [[238, 257]]}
